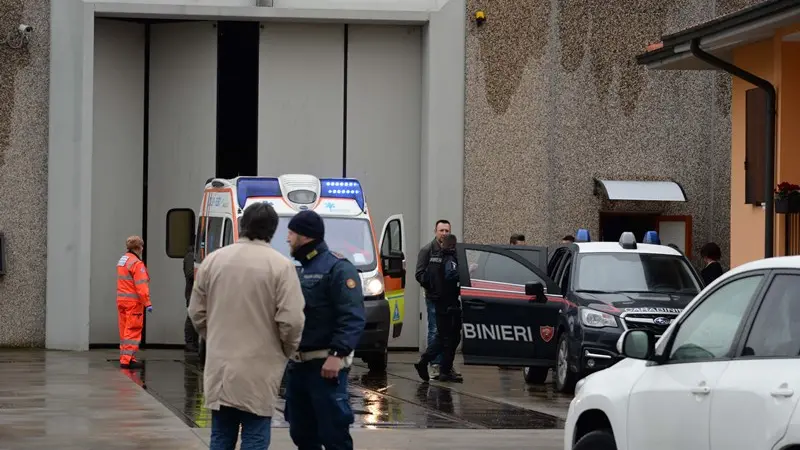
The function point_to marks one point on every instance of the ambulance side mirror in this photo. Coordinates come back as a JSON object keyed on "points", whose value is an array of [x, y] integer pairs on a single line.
{"points": [[180, 231], [394, 264], [536, 290]]}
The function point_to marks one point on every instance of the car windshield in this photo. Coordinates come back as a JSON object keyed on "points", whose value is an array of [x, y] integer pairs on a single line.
{"points": [[352, 238], [635, 272]]}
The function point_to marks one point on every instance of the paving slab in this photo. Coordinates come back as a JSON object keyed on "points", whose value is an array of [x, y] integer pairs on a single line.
{"points": [[82, 400], [68, 400]]}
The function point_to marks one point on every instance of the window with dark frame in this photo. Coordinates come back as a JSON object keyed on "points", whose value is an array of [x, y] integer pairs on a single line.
{"points": [[755, 145]]}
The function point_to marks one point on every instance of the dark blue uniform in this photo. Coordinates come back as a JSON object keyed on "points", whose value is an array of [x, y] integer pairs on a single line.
{"points": [[318, 409]]}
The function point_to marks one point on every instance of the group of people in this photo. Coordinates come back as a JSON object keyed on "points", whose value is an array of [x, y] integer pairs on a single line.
{"points": [[261, 318]]}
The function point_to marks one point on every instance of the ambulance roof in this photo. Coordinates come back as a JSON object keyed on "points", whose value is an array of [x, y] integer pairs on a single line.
{"points": [[298, 192]]}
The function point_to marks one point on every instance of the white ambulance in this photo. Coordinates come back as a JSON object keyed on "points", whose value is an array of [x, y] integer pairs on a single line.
{"points": [[349, 231]]}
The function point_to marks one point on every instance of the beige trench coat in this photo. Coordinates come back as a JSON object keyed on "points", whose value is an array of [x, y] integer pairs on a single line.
{"points": [[248, 305]]}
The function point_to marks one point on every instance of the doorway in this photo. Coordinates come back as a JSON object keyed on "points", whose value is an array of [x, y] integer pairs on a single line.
{"points": [[612, 225]]}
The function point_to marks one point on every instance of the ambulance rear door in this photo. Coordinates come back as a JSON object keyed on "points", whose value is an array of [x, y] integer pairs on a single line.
{"points": [[509, 320], [393, 260]]}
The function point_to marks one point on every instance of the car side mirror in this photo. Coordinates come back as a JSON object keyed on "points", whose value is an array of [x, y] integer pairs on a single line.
{"points": [[536, 290], [394, 264], [637, 344]]}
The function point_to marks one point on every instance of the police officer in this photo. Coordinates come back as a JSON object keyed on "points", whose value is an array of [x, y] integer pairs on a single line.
{"points": [[317, 401]]}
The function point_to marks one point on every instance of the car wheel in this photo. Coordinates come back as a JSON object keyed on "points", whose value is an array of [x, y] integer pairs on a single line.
{"points": [[597, 440], [377, 363], [535, 375], [565, 378]]}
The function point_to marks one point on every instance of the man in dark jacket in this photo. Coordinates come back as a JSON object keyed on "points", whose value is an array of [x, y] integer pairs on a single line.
{"points": [[317, 400], [448, 317], [711, 255], [429, 261], [189, 333]]}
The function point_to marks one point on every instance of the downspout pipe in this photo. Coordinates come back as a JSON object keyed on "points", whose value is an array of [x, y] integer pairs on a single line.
{"points": [[769, 148]]}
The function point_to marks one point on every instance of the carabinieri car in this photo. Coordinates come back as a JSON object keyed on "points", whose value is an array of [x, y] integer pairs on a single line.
{"points": [[521, 308]]}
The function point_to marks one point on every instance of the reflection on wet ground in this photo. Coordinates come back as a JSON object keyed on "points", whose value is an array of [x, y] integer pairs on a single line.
{"points": [[393, 400]]}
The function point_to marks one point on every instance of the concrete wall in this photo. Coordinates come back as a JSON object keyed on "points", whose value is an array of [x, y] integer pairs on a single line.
{"points": [[24, 81], [555, 98]]}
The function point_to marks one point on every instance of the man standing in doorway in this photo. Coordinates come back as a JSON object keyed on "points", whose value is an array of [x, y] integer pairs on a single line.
{"points": [[317, 400], [711, 255], [248, 307], [133, 297], [430, 276]]}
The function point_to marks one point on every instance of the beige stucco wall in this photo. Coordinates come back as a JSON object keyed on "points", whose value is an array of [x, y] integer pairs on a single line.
{"points": [[555, 98], [24, 84]]}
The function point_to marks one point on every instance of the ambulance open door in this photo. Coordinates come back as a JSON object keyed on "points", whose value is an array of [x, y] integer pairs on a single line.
{"points": [[393, 261]]}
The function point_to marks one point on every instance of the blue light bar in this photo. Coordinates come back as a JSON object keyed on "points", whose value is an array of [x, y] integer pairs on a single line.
{"points": [[583, 235], [651, 237], [343, 188], [256, 187]]}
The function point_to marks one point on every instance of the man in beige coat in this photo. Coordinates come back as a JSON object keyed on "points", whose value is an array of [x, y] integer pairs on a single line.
{"points": [[248, 306]]}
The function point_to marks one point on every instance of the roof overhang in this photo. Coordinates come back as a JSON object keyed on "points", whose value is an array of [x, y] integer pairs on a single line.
{"points": [[722, 35], [654, 191]]}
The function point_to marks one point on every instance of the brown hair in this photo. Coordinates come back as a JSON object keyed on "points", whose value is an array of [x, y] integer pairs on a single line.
{"points": [[134, 243]]}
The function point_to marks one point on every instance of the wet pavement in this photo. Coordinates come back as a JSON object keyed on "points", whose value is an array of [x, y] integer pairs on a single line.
{"points": [[396, 399], [83, 400]]}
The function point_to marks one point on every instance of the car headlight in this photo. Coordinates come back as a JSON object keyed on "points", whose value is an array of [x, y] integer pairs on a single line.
{"points": [[372, 286], [597, 319]]}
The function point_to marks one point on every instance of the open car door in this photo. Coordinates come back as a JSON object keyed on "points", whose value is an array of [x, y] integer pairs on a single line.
{"points": [[509, 320], [393, 260]]}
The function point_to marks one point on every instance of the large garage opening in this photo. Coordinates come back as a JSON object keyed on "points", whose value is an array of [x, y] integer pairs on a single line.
{"points": [[178, 102]]}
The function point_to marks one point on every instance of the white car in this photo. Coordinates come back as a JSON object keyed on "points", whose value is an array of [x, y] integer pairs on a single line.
{"points": [[723, 375]]}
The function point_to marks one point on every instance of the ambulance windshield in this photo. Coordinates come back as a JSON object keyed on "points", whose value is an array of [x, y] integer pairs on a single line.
{"points": [[352, 238]]}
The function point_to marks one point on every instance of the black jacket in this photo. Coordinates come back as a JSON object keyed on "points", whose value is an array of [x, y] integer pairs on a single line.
{"points": [[429, 273], [711, 272], [188, 273], [448, 301]]}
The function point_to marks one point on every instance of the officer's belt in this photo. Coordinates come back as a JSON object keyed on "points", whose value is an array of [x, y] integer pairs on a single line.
{"points": [[321, 354]]}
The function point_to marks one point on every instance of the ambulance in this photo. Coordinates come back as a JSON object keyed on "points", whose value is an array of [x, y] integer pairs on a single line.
{"points": [[349, 231]]}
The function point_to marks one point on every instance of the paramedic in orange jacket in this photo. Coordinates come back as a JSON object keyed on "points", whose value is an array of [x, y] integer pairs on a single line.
{"points": [[133, 297]]}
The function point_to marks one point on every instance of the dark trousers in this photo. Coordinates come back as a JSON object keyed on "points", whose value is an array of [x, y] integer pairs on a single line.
{"points": [[448, 336], [318, 409], [189, 333], [256, 430]]}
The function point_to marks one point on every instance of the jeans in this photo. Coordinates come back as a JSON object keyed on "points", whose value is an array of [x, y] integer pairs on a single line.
{"points": [[256, 430], [447, 340], [432, 331], [318, 409]]}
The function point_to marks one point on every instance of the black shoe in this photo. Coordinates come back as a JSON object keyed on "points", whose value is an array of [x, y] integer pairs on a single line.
{"points": [[450, 378], [132, 365], [422, 370]]}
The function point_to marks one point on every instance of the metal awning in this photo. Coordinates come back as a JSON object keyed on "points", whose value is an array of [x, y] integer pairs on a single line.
{"points": [[654, 191]]}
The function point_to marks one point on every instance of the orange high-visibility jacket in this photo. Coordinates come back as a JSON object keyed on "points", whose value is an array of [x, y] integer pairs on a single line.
{"points": [[133, 282]]}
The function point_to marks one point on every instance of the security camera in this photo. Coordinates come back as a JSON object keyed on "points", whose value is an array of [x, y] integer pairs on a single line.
{"points": [[25, 29]]}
